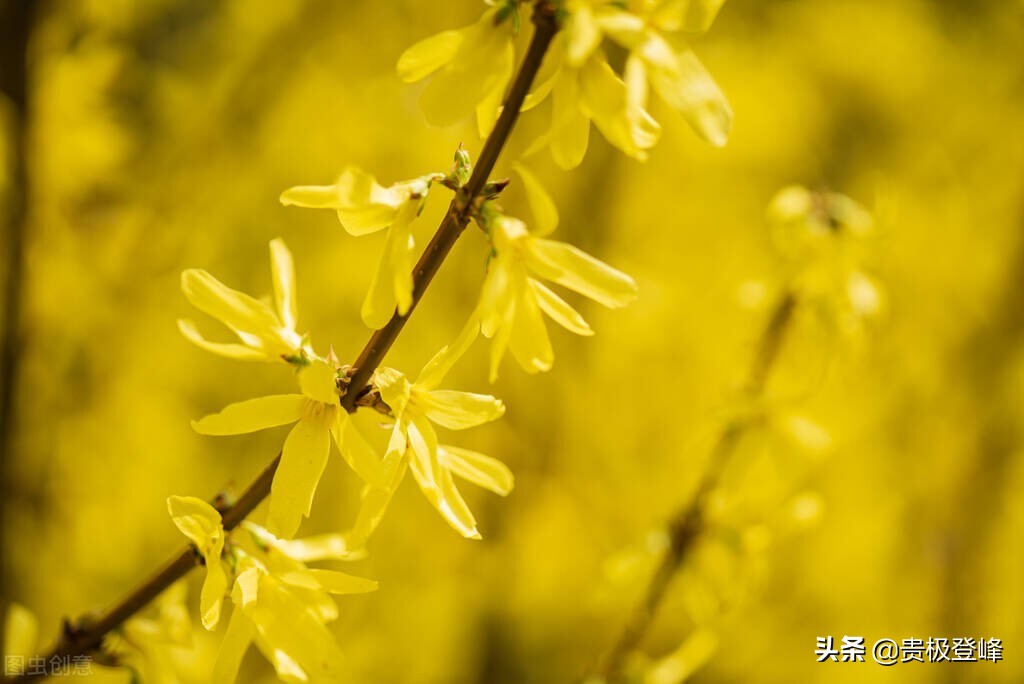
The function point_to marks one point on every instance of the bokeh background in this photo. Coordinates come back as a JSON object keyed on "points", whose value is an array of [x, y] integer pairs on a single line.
{"points": [[142, 138]]}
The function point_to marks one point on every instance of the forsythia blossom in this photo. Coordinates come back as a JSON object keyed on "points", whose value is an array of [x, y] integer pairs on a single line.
{"points": [[471, 68], [265, 334], [365, 207], [280, 604], [318, 417], [417, 407], [822, 235], [513, 295]]}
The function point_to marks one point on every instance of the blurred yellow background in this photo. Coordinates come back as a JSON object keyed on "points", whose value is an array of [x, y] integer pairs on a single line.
{"points": [[159, 137]]}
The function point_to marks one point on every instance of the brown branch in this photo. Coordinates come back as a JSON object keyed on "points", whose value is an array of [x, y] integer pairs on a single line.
{"points": [[87, 634], [685, 526]]}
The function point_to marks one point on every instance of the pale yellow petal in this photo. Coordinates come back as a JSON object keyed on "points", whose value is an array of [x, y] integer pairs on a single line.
{"points": [[357, 452], [312, 197], [683, 82], [252, 415], [196, 519], [476, 69], [319, 381], [318, 547], [691, 16], [212, 594], [423, 444], [480, 469], [439, 365], [364, 205], [336, 582], [229, 350], [582, 34], [575, 269], [459, 410], [283, 269], [559, 310], [528, 339], [303, 460], [607, 100], [570, 127], [239, 635], [545, 213], [235, 309], [428, 55]]}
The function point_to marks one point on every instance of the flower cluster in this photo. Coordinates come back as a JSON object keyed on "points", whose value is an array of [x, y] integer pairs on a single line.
{"points": [[280, 605], [576, 75]]}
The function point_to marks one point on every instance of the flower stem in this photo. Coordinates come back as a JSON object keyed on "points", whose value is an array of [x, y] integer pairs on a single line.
{"points": [[86, 635], [685, 526]]}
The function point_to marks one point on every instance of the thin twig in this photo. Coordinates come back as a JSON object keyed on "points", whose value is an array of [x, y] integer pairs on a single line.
{"points": [[685, 526], [87, 634]]}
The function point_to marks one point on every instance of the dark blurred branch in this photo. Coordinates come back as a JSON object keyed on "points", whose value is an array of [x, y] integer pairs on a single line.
{"points": [[16, 19], [87, 634], [685, 526]]}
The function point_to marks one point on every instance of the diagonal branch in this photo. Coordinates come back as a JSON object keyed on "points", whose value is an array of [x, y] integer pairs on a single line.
{"points": [[86, 635], [685, 526]]}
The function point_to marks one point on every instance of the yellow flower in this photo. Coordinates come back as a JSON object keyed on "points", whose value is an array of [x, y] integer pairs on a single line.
{"points": [[513, 296], [823, 236], [471, 68], [159, 649], [365, 207], [265, 334], [280, 604], [317, 416], [200, 522], [417, 407], [583, 87]]}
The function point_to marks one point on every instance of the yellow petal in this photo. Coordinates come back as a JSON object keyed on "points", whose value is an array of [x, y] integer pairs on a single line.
{"points": [[318, 381], [312, 197], [459, 410], [692, 16], [545, 213], [683, 82], [570, 128], [391, 286], [364, 205], [343, 583], [283, 269], [607, 100], [547, 76], [477, 68], [625, 28], [445, 497], [582, 34], [480, 469], [559, 310], [196, 519], [252, 415], [319, 547], [423, 444], [229, 350], [303, 460], [235, 309], [428, 55], [356, 451], [489, 106], [439, 365], [212, 594], [580, 272], [239, 635], [528, 338]]}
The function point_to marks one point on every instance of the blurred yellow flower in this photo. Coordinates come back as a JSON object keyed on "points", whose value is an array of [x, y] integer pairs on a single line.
{"points": [[158, 650], [365, 207], [471, 68], [317, 416], [584, 87], [513, 296], [280, 604], [823, 235], [416, 407], [266, 334]]}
